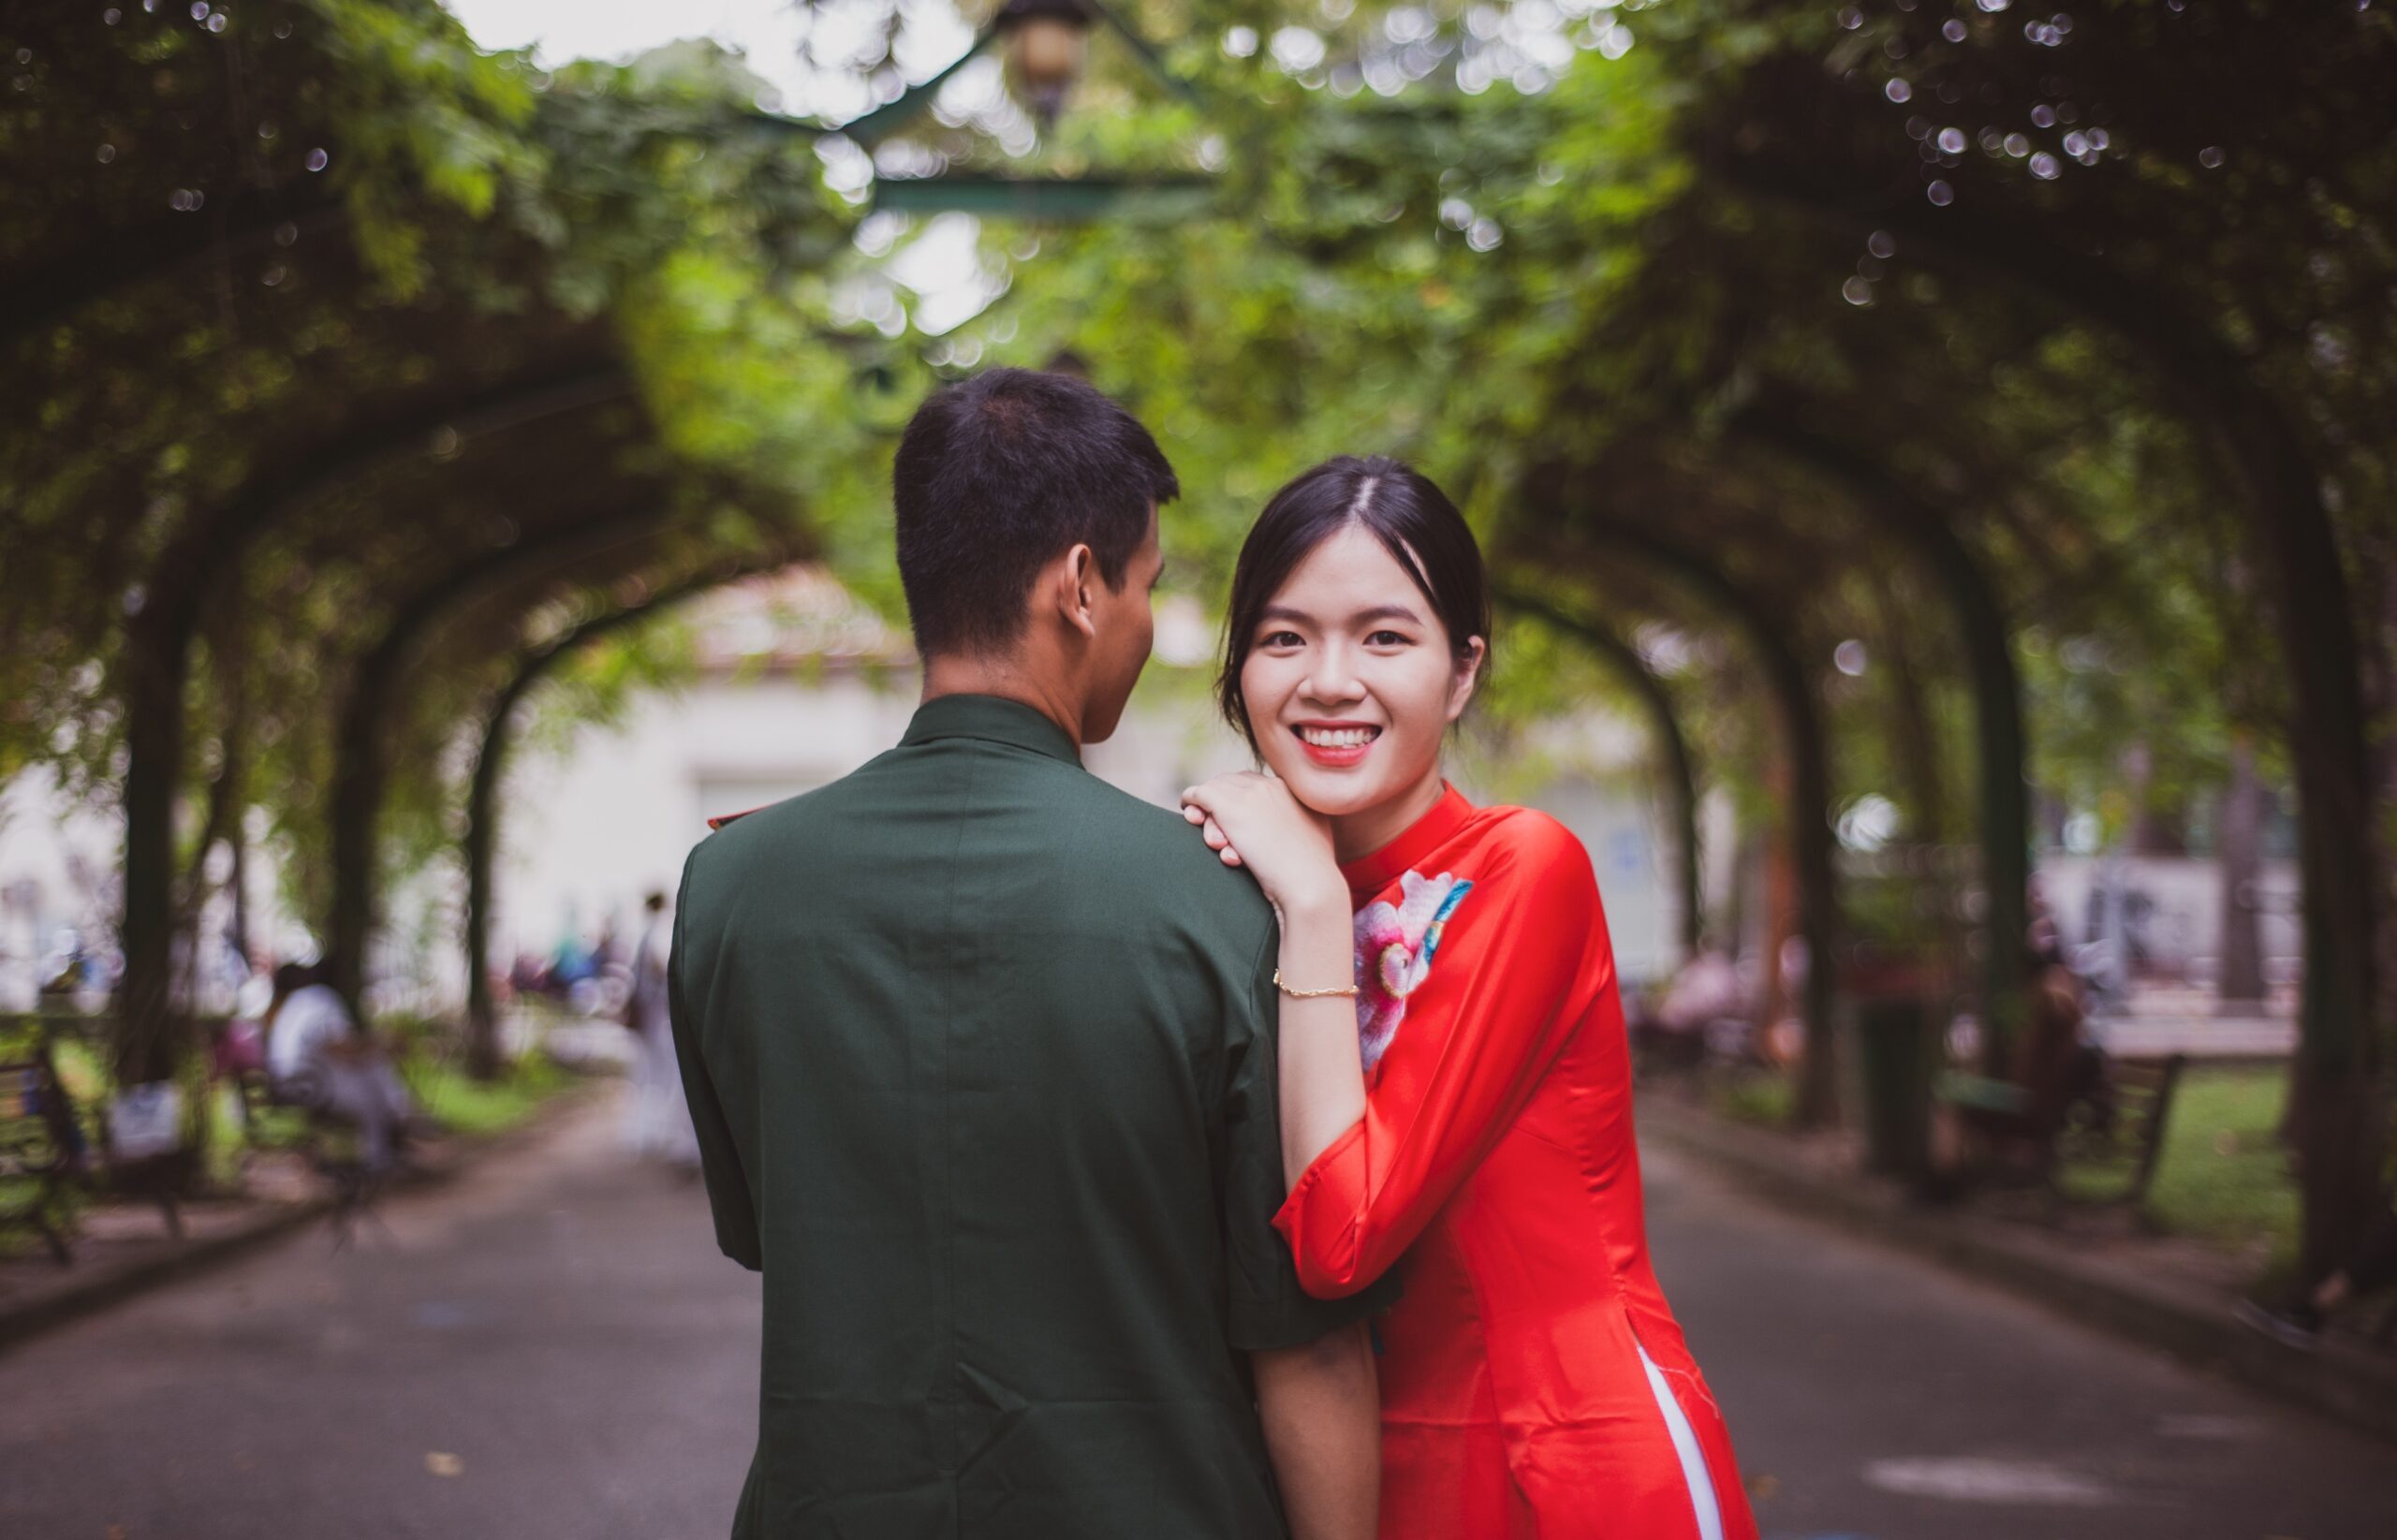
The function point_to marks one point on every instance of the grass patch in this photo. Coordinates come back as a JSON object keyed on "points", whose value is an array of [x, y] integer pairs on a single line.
{"points": [[2224, 1177], [467, 1105], [1761, 1101], [432, 1068]]}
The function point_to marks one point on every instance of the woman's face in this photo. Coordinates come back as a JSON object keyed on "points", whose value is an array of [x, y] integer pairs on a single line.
{"points": [[1351, 681]]}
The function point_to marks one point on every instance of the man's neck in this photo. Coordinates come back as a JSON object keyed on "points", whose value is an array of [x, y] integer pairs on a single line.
{"points": [[1006, 678]]}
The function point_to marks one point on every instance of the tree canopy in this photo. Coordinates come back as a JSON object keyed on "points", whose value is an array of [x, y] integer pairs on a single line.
{"points": [[2001, 395]]}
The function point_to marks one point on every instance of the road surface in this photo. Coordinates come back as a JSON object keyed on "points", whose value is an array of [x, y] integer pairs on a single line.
{"points": [[551, 1350]]}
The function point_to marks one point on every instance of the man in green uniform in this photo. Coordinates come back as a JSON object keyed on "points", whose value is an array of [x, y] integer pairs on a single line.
{"points": [[980, 1054]]}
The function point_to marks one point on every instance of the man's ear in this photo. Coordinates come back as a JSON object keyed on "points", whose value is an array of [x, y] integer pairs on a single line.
{"points": [[1073, 591], [1468, 675]]}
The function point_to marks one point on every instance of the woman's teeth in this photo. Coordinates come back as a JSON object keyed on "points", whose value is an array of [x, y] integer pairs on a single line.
{"points": [[1344, 738]]}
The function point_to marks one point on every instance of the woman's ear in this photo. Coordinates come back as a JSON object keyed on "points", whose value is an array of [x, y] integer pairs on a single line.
{"points": [[1468, 675]]}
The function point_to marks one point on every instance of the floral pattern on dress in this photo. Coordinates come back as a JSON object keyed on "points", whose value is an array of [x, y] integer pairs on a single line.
{"points": [[1395, 944]]}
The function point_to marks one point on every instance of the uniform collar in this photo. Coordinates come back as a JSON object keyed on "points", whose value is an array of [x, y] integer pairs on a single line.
{"points": [[1369, 874], [992, 720]]}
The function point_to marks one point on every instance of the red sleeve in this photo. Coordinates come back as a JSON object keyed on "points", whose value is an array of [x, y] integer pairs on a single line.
{"points": [[1518, 964]]}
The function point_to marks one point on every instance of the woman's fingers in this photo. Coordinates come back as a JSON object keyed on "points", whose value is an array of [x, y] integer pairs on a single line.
{"points": [[1195, 810], [1223, 803]]}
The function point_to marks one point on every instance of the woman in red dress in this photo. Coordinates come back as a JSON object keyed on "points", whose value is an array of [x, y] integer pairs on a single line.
{"points": [[1456, 1085]]}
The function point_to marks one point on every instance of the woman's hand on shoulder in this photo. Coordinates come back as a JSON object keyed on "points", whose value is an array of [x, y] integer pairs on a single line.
{"points": [[1251, 821]]}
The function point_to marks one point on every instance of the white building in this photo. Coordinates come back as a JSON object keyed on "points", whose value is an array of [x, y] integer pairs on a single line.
{"points": [[797, 685]]}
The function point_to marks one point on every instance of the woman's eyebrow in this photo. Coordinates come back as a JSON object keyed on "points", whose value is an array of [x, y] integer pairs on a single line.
{"points": [[1362, 616]]}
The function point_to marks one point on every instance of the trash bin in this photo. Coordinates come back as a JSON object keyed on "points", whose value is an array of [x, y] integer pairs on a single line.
{"points": [[1892, 1037]]}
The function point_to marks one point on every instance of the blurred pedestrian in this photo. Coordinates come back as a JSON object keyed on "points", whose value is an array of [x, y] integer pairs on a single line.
{"points": [[2062, 1072], [570, 963], [315, 1058], [657, 1121], [1679, 1023]]}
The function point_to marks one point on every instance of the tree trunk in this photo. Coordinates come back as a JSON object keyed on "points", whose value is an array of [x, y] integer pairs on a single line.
{"points": [[1792, 687], [150, 1033], [2336, 1073], [2238, 977], [1917, 744], [377, 697], [1747, 858], [2001, 741], [1813, 861], [1776, 909], [2160, 830], [244, 938], [1676, 763], [484, 1051]]}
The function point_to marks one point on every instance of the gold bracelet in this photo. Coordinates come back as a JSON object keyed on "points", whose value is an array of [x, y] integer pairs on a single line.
{"points": [[1311, 994]]}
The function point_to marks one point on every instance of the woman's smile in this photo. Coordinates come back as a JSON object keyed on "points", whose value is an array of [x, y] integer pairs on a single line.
{"points": [[1336, 745]]}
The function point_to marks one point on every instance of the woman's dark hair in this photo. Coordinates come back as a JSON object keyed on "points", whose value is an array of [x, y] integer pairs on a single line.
{"points": [[1414, 520]]}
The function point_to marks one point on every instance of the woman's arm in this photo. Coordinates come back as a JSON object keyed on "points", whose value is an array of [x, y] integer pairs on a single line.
{"points": [[1253, 821], [1323, 1076], [1523, 962]]}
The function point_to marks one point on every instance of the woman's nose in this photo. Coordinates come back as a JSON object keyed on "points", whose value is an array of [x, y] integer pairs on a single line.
{"points": [[1332, 679]]}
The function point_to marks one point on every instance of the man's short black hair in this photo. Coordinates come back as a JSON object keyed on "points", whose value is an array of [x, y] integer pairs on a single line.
{"points": [[998, 474]]}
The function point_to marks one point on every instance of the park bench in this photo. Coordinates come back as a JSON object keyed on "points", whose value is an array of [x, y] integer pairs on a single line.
{"points": [[330, 1147], [52, 1154], [2012, 1142], [326, 1142], [41, 1146]]}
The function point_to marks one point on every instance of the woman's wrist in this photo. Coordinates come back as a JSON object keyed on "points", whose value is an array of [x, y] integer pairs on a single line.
{"points": [[1316, 907], [1315, 951]]}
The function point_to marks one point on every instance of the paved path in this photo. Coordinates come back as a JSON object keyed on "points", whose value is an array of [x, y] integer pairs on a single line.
{"points": [[553, 1352], [1879, 1397]]}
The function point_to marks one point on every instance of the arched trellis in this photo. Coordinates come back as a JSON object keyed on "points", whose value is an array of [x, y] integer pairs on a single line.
{"points": [[322, 347], [376, 696], [252, 220], [195, 573], [1575, 548], [1677, 764], [478, 845], [2000, 740], [2282, 503]]}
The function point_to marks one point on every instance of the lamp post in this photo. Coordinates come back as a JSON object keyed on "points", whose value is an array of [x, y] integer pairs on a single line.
{"points": [[1046, 41]]}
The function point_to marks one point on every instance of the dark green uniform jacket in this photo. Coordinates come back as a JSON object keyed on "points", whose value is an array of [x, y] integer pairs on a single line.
{"points": [[981, 1053]]}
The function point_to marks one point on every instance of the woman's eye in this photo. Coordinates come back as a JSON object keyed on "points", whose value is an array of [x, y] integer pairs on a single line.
{"points": [[1281, 638], [1388, 639]]}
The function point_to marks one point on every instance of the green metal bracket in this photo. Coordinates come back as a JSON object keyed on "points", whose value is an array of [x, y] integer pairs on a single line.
{"points": [[884, 120], [1057, 200]]}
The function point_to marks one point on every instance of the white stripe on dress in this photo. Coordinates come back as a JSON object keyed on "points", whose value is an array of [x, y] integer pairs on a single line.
{"points": [[1701, 1485]]}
